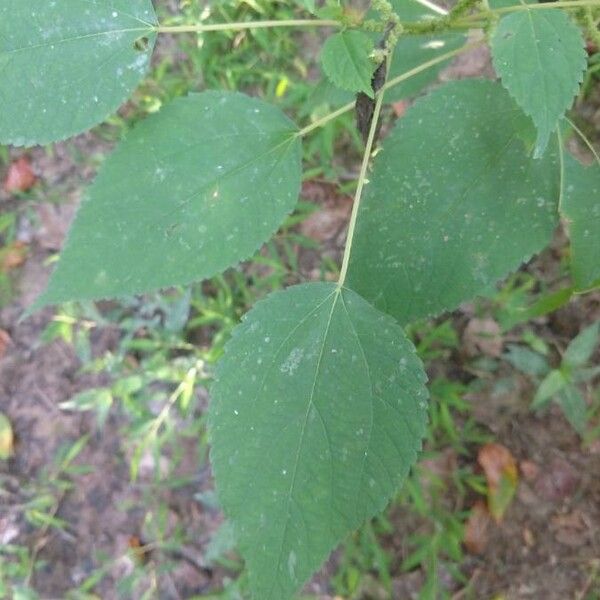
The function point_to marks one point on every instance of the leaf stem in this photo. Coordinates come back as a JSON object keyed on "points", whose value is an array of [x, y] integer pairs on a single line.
{"points": [[241, 25], [584, 138], [561, 157], [393, 82], [430, 63], [324, 120], [362, 178]]}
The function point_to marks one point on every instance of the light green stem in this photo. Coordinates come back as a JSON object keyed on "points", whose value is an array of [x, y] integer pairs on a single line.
{"points": [[241, 25], [585, 139], [324, 120], [430, 63], [362, 178], [561, 156], [395, 81]]}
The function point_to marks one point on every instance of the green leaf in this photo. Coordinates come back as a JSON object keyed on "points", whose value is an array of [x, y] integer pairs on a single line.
{"points": [[550, 386], [317, 416], [540, 56], [581, 206], [586, 374], [345, 59], [580, 350], [445, 216], [67, 65], [573, 405], [414, 50], [526, 360], [193, 190]]}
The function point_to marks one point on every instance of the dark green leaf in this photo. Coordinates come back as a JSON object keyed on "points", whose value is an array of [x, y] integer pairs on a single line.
{"points": [[193, 190], [66, 65], [317, 416], [454, 203], [552, 384], [540, 56], [526, 360], [573, 406], [346, 61], [580, 350], [581, 206]]}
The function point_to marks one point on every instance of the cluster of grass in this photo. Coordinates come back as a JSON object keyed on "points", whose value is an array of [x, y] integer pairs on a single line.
{"points": [[170, 342]]}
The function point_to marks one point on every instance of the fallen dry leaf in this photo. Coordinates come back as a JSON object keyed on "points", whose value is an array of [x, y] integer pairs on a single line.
{"points": [[12, 256], [4, 342], [557, 481], [138, 549], [20, 176], [594, 447], [6, 438], [400, 108], [529, 470], [569, 529], [483, 336], [502, 477], [528, 537], [477, 529]]}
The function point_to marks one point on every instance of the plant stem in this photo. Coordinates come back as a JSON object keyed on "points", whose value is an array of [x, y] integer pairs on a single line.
{"points": [[362, 178], [585, 139], [245, 25], [324, 120], [399, 79], [561, 156], [430, 63]]}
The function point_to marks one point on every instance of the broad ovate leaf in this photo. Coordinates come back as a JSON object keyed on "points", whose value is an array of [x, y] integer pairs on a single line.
{"points": [[540, 56], [66, 65], [317, 415], [581, 207], [346, 61], [454, 203], [192, 190]]}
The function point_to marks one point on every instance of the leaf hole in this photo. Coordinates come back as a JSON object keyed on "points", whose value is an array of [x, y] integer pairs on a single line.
{"points": [[141, 44]]}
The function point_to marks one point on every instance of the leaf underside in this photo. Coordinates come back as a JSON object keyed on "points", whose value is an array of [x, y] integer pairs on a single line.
{"points": [[454, 203], [581, 206], [67, 65], [193, 190], [317, 415], [540, 56]]}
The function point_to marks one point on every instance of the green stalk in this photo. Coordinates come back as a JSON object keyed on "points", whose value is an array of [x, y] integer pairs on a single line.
{"points": [[241, 25], [362, 178], [390, 84]]}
